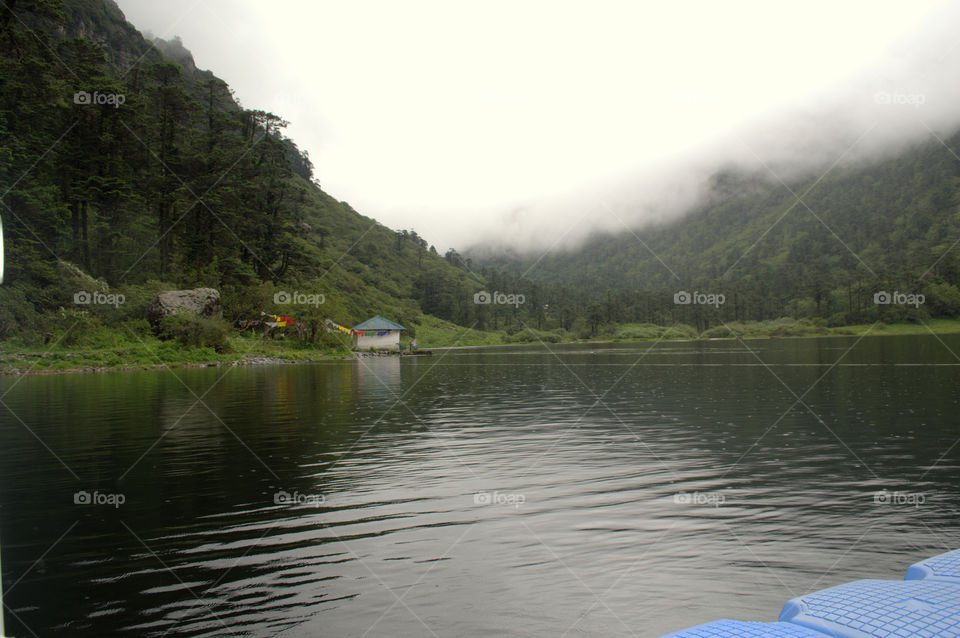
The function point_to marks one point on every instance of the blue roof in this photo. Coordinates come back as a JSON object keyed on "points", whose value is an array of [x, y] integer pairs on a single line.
{"points": [[378, 323]]}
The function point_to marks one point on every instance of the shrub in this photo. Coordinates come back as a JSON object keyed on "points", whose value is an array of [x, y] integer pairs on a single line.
{"points": [[18, 317], [718, 332], [333, 341], [246, 302], [136, 298], [71, 327], [195, 332], [680, 331], [838, 319]]}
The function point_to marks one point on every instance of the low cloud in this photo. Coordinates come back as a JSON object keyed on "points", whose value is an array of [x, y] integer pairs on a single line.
{"points": [[535, 124], [909, 96]]}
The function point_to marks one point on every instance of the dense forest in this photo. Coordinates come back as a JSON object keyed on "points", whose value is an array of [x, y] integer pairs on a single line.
{"points": [[126, 169], [887, 226]]}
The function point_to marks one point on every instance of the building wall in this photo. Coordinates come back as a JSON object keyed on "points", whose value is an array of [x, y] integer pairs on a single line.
{"points": [[389, 341]]}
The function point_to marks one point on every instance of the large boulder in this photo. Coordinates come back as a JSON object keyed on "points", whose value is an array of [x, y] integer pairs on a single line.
{"points": [[201, 302]]}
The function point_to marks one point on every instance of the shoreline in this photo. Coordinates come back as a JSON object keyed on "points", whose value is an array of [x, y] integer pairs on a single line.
{"points": [[282, 357], [247, 361]]}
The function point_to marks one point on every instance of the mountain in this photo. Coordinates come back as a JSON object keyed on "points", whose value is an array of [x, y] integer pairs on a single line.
{"points": [[125, 168], [121, 160], [820, 251]]}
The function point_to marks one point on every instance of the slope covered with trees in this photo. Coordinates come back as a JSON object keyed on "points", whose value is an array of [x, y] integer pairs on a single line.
{"points": [[889, 225], [125, 168], [120, 160]]}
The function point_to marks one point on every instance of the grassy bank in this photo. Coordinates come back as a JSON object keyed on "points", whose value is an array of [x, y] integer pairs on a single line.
{"points": [[129, 350], [937, 326], [444, 334], [153, 353]]}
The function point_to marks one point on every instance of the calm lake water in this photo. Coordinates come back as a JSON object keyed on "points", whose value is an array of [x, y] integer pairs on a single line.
{"points": [[597, 490]]}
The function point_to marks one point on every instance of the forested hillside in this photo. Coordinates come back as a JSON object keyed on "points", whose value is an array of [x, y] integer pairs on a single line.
{"points": [[121, 160], [890, 225], [126, 169]]}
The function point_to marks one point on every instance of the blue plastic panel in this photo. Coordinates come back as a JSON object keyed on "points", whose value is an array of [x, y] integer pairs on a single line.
{"points": [[740, 629], [942, 567], [880, 609]]}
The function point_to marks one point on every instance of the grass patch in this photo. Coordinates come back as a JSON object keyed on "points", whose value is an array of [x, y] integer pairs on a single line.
{"points": [[652, 332], [135, 346], [437, 333], [938, 326], [782, 327], [126, 349]]}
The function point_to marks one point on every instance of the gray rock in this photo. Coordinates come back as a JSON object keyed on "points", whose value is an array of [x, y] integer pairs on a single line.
{"points": [[201, 302]]}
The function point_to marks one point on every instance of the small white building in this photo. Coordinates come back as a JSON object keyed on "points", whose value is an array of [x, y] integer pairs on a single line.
{"points": [[377, 333]]}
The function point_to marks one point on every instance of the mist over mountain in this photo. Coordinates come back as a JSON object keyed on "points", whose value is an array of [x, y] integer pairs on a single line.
{"points": [[817, 246], [516, 124], [906, 97]]}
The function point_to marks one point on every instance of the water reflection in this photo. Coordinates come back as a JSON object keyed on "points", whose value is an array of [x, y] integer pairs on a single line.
{"points": [[661, 487], [379, 375]]}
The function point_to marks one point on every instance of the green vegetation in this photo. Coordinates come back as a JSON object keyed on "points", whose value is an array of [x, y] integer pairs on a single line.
{"points": [[933, 326], [890, 225], [434, 333], [126, 171], [108, 349], [137, 352]]}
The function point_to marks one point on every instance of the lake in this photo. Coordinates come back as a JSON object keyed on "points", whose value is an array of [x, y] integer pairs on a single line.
{"points": [[580, 490]]}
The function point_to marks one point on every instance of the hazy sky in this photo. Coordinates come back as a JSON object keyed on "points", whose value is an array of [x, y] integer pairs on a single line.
{"points": [[532, 121]]}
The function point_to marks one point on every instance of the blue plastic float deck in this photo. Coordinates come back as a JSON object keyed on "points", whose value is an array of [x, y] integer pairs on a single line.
{"points": [[895, 609], [741, 629], [942, 567], [926, 604]]}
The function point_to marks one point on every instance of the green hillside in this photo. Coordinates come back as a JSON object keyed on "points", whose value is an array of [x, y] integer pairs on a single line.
{"points": [[122, 162], [126, 170], [889, 225]]}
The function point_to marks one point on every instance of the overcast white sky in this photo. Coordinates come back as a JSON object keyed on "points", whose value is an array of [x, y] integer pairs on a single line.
{"points": [[523, 121]]}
